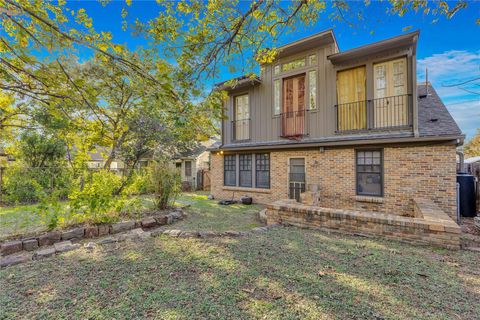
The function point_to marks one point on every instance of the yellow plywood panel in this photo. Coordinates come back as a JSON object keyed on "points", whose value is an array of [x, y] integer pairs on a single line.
{"points": [[351, 96]]}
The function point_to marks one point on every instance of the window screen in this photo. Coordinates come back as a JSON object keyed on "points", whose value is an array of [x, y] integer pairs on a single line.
{"points": [[245, 169], [369, 173], [229, 170], [262, 170]]}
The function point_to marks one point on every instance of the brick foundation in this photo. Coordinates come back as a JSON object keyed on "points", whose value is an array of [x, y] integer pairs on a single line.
{"points": [[420, 171]]}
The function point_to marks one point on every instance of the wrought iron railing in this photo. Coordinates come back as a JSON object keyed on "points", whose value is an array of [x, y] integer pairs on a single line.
{"points": [[394, 112], [293, 124], [241, 129]]}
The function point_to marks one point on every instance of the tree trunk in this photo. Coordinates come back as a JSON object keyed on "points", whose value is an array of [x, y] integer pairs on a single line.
{"points": [[113, 151]]}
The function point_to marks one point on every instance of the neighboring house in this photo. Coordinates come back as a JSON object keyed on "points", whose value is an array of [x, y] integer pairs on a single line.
{"points": [[355, 125], [472, 166], [194, 163], [98, 158]]}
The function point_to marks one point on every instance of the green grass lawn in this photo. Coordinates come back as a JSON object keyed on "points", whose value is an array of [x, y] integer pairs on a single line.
{"points": [[203, 215], [208, 215], [19, 220], [286, 273]]}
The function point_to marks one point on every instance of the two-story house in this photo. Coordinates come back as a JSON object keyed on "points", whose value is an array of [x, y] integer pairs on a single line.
{"points": [[354, 125]]}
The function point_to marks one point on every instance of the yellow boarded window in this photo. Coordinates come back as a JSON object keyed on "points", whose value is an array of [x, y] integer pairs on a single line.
{"points": [[351, 98]]}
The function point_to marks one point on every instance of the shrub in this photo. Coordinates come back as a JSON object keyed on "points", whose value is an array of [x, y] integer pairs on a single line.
{"points": [[27, 185], [139, 183], [96, 201], [166, 183], [50, 210]]}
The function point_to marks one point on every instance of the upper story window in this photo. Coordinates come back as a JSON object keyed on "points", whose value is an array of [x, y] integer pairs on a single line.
{"points": [[276, 69], [312, 59], [294, 64], [241, 121], [276, 96], [391, 101], [390, 78], [312, 89]]}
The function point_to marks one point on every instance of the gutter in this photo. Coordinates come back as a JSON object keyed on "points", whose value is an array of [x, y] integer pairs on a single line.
{"points": [[456, 138]]}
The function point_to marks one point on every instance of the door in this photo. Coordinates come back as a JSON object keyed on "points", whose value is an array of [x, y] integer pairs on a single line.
{"points": [[242, 118], [351, 98], [293, 113], [390, 94], [296, 178]]}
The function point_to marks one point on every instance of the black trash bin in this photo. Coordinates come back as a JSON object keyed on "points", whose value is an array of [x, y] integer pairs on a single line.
{"points": [[467, 194]]}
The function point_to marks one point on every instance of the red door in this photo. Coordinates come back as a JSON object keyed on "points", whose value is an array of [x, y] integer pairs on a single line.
{"points": [[293, 116]]}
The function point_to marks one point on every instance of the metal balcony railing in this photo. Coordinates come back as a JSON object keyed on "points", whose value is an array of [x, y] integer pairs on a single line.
{"points": [[241, 129], [293, 124], [387, 113]]}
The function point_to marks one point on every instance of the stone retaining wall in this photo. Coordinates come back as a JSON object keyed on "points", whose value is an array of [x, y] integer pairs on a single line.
{"points": [[32, 243], [430, 226]]}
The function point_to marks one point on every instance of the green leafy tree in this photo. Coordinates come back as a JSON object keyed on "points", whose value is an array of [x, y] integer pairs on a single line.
{"points": [[472, 148], [40, 150], [204, 36]]}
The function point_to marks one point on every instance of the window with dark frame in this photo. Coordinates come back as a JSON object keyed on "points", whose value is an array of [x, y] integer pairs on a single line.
{"points": [[262, 170], [369, 164], [188, 168], [245, 170], [229, 168]]}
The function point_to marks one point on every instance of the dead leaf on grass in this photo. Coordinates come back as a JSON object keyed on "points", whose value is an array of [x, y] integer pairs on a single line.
{"points": [[248, 290]]}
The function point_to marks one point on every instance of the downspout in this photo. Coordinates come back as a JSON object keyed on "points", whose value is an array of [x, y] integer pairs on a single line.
{"points": [[461, 159], [413, 56]]}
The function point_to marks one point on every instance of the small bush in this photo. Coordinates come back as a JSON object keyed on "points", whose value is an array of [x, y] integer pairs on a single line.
{"points": [[139, 183], [96, 201], [166, 183], [50, 210], [28, 185]]}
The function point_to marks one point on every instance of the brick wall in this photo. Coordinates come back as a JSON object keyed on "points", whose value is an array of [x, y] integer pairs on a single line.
{"points": [[409, 172], [431, 226]]}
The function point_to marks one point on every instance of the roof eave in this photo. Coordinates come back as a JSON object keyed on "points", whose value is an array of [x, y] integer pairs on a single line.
{"points": [[323, 37], [244, 83], [409, 39]]}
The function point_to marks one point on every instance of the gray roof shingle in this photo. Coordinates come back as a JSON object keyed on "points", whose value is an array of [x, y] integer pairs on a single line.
{"points": [[433, 117]]}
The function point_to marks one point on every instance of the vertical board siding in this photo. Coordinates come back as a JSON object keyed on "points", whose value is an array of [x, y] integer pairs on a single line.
{"points": [[265, 126]]}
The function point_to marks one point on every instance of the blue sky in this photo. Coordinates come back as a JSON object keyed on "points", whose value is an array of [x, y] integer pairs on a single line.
{"points": [[450, 49]]}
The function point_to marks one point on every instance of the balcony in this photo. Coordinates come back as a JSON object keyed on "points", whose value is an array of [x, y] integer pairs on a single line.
{"points": [[389, 113], [293, 124], [241, 130]]}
